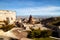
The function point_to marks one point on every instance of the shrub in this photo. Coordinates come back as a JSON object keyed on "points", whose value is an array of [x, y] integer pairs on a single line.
{"points": [[46, 33], [38, 33], [34, 33], [7, 27]]}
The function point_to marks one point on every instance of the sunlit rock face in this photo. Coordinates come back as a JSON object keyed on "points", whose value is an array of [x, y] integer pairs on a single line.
{"points": [[6, 14]]}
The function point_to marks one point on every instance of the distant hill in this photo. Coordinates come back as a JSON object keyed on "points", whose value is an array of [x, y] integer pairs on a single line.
{"points": [[52, 21], [35, 16]]}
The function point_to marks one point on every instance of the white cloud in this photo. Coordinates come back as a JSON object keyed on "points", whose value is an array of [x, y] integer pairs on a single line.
{"points": [[46, 10]]}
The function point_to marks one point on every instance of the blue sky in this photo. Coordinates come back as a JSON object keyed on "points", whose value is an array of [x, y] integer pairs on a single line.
{"points": [[32, 7]]}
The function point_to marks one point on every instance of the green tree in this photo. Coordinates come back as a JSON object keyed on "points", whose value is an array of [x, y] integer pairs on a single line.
{"points": [[39, 33], [34, 33], [46, 33]]}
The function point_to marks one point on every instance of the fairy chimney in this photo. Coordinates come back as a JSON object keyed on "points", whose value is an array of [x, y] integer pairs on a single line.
{"points": [[31, 20]]}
